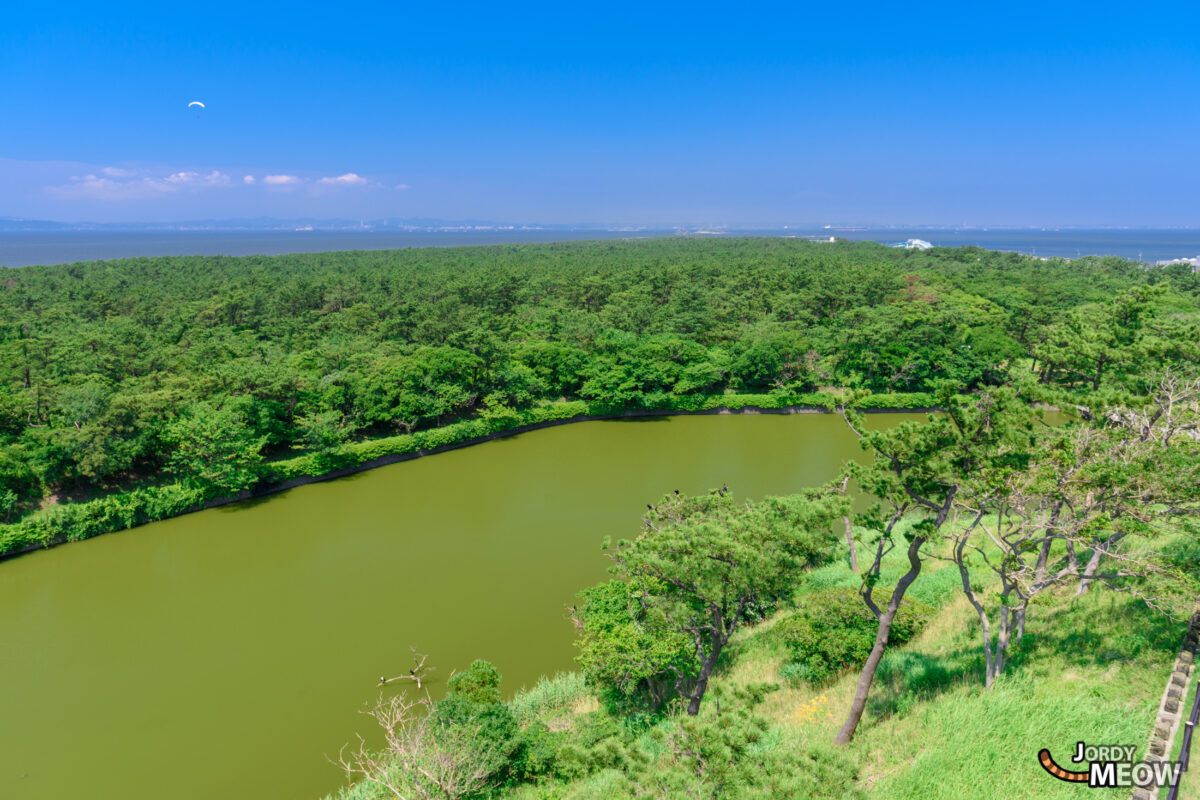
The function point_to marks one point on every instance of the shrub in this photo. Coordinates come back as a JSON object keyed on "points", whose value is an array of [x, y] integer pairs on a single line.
{"points": [[75, 521], [795, 673], [730, 755], [479, 684], [472, 702], [627, 650], [834, 630], [535, 752], [899, 400]]}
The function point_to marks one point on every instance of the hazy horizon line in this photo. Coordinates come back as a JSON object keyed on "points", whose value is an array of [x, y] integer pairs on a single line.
{"points": [[9, 224]]}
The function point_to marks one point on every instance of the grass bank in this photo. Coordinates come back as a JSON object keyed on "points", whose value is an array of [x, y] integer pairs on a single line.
{"points": [[74, 521], [1089, 668]]}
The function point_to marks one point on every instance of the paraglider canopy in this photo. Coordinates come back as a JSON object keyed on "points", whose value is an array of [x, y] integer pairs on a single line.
{"points": [[195, 103]]}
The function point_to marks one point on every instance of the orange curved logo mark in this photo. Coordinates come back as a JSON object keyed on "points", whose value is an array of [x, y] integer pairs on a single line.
{"points": [[1047, 762]]}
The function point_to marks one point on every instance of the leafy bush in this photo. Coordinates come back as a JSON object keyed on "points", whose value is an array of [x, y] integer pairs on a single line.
{"points": [[479, 684], [899, 400], [75, 521], [728, 755], [834, 630], [795, 673], [473, 702], [626, 649]]}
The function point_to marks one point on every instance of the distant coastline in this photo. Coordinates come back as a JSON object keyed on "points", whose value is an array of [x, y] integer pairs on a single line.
{"points": [[46, 247]]}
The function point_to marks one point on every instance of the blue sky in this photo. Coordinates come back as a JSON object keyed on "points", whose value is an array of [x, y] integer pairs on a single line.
{"points": [[896, 113]]}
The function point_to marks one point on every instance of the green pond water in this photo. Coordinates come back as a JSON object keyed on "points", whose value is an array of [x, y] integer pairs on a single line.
{"points": [[227, 653]]}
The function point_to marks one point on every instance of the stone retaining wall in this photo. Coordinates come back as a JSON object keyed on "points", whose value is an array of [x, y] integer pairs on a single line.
{"points": [[1172, 708]]}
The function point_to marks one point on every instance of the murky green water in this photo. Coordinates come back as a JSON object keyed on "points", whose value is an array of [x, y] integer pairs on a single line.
{"points": [[226, 653]]}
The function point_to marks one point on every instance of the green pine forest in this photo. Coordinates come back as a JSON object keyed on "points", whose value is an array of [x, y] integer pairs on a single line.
{"points": [[985, 582], [137, 389]]}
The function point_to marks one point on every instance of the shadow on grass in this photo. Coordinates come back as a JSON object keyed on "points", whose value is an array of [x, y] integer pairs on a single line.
{"points": [[906, 677], [1098, 631], [1094, 631]]}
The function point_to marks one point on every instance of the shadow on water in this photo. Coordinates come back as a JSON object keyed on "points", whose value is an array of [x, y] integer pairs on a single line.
{"points": [[250, 502]]}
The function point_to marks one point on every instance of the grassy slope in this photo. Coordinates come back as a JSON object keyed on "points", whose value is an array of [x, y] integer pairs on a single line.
{"points": [[932, 731], [1090, 668]]}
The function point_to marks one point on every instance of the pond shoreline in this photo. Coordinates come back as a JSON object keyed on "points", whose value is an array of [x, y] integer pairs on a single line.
{"points": [[276, 487], [468, 556], [396, 458]]}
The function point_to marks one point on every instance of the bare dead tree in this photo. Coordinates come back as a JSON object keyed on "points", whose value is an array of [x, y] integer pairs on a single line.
{"points": [[421, 759], [415, 674]]}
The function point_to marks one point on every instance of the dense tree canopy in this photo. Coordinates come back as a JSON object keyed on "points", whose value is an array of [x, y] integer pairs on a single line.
{"points": [[702, 567], [107, 369]]}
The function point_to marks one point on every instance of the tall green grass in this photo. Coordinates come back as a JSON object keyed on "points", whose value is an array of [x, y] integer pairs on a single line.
{"points": [[1090, 668], [548, 697]]}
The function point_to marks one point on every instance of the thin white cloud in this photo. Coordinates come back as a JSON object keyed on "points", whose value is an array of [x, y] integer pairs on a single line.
{"points": [[403, 186], [214, 178], [114, 186], [349, 179], [148, 183], [109, 189]]}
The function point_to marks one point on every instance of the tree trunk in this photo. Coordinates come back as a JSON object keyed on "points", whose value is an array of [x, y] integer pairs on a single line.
{"points": [[708, 662], [850, 541], [1003, 637], [989, 662], [1085, 580], [881, 639], [1044, 555], [706, 669], [985, 624], [849, 532], [1072, 557], [1043, 560], [1089, 570]]}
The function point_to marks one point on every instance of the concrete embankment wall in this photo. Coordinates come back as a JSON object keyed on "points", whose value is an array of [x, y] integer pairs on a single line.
{"points": [[1172, 707]]}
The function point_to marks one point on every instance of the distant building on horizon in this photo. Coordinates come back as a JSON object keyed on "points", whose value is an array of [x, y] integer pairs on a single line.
{"points": [[914, 244], [1194, 261]]}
